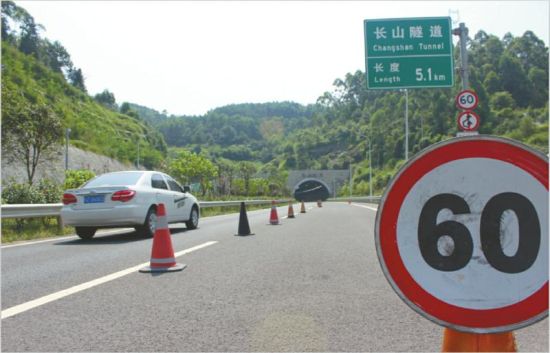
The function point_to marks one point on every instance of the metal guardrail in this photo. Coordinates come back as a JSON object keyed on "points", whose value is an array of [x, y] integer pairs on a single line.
{"points": [[54, 209], [31, 210], [363, 199], [207, 204]]}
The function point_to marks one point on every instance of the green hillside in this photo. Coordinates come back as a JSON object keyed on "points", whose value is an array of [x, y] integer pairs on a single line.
{"points": [[26, 80], [510, 76]]}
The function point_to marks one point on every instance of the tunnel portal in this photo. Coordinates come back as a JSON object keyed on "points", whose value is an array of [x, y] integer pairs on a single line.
{"points": [[311, 190]]}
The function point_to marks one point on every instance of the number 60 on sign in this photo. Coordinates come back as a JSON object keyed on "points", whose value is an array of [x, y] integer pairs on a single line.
{"points": [[462, 234]]}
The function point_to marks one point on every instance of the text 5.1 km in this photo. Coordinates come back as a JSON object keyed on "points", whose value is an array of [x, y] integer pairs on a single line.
{"points": [[428, 75]]}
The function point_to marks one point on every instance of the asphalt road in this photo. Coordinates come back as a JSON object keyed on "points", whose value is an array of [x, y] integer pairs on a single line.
{"points": [[310, 284]]}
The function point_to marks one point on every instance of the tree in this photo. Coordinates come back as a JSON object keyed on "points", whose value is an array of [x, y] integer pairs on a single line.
{"points": [[189, 166], [502, 100], [29, 41], [29, 132], [247, 169], [106, 99], [539, 82], [8, 10], [514, 79], [56, 57], [76, 78], [226, 171]]}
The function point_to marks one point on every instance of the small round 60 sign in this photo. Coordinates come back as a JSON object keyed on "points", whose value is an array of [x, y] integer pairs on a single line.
{"points": [[462, 234]]}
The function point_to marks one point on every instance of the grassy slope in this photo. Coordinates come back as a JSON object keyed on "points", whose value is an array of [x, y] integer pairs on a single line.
{"points": [[93, 127]]}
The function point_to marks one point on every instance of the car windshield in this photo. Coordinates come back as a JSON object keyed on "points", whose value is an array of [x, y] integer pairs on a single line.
{"points": [[129, 178]]}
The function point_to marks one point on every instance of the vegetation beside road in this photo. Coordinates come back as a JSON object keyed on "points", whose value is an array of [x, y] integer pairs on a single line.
{"points": [[41, 228]]}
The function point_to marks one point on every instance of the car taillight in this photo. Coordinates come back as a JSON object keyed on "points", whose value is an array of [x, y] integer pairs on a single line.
{"points": [[68, 199], [123, 195]]}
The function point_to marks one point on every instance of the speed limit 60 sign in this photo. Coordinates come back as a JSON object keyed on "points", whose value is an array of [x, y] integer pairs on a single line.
{"points": [[467, 100], [462, 234]]}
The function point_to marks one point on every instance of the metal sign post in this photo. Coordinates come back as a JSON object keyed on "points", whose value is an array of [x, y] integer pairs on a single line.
{"points": [[462, 32]]}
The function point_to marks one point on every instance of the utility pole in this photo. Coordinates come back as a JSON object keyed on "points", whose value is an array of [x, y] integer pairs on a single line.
{"points": [[406, 124], [370, 171], [67, 132], [137, 154], [350, 180], [462, 32]]}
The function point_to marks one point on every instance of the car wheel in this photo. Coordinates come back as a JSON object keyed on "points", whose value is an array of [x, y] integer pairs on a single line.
{"points": [[85, 232], [148, 228], [193, 221]]}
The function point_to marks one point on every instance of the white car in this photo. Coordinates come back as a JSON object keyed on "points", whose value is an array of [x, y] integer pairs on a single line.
{"points": [[128, 199]]}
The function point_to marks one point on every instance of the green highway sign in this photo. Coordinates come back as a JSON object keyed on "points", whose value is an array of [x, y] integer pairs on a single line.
{"points": [[409, 53]]}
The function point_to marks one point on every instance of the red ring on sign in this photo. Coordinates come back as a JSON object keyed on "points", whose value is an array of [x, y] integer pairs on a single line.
{"points": [[527, 309], [457, 99]]}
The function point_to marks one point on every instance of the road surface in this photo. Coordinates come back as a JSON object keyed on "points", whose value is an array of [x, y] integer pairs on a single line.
{"points": [[312, 283]]}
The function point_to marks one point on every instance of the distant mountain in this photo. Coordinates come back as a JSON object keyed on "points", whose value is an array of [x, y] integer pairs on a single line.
{"points": [[265, 110], [150, 115]]}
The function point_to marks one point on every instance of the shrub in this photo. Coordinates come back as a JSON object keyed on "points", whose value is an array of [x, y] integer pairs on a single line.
{"points": [[51, 192], [75, 178], [22, 194]]}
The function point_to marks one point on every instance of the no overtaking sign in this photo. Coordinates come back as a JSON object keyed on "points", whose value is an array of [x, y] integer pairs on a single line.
{"points": [[462, 234]]}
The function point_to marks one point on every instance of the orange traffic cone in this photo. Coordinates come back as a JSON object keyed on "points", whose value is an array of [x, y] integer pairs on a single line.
{"points": [[290, 210], [162, 254], [273, 217], [456, 341], [303, 209], [319, 204]]}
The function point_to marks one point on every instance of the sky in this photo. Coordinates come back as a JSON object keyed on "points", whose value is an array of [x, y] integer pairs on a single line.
{"points": [[188, 57]]}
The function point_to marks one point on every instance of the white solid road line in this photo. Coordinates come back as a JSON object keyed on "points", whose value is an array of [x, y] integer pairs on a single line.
{"points": [[368, 207], [100, 233], [18, 309]]}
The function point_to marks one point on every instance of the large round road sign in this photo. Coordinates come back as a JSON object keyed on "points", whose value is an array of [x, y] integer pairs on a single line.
{"points": [[462, 234], [467, 100]]}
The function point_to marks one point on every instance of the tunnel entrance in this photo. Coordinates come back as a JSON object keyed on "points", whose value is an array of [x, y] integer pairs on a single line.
{"points": [[311, 190]]}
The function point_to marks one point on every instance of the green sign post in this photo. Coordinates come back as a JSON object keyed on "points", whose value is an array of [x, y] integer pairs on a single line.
{"points": [[409, 53]]}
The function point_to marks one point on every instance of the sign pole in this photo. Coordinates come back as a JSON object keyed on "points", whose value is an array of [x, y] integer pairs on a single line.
{"points": [[67, 133], [462, 31], [370, 170], [406, 124]]}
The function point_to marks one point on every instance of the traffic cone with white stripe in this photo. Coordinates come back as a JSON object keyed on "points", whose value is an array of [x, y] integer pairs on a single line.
{"points": [[290, 210], [303, 208], [162, 254], [273, 217]]}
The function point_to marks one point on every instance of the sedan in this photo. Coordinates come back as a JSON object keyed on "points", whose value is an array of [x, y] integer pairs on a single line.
{"points": [[128, 199]]}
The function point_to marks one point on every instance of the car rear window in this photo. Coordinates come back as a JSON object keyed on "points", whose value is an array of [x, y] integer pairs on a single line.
{"points": [[130, 178]]}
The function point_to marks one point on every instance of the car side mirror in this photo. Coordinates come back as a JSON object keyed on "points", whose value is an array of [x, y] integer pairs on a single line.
{"points": [[186, 188]]}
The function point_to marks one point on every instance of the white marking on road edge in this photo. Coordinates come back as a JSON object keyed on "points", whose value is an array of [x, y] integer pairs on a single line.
{"points": [[100, 233], [18, 309], [369, 207], [37, 242]]}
